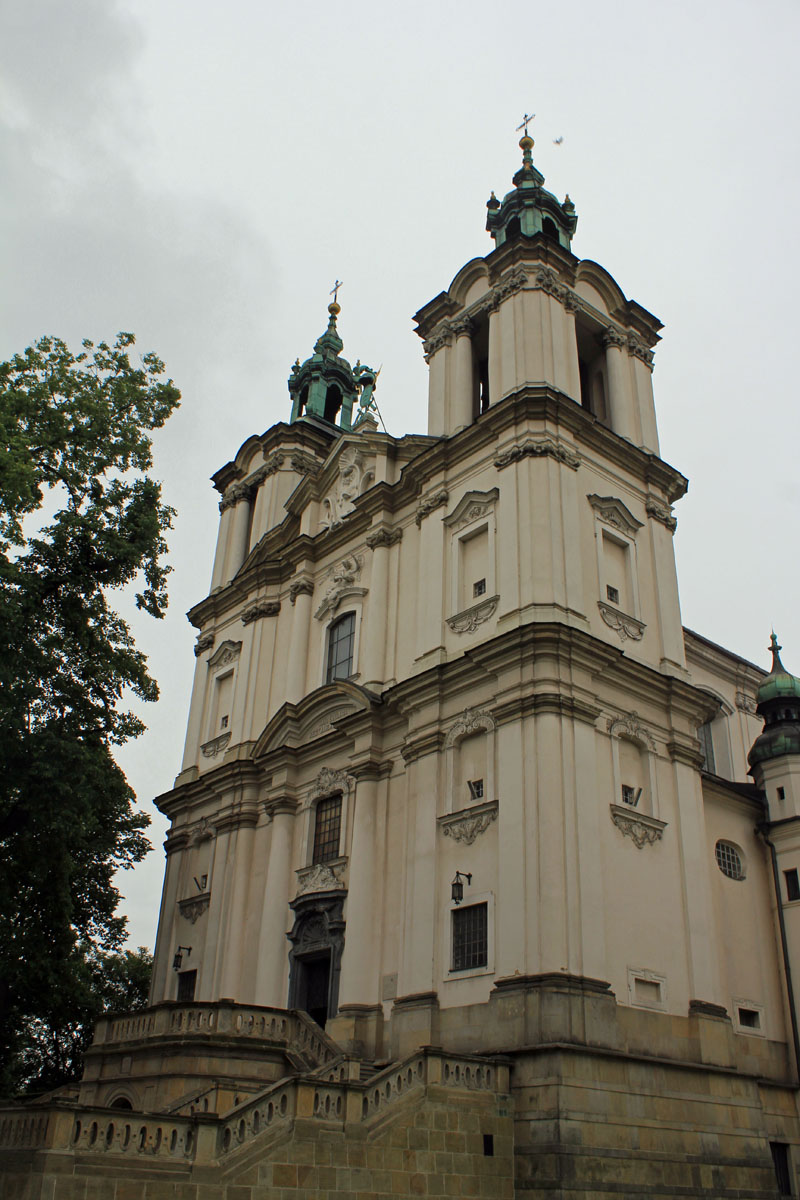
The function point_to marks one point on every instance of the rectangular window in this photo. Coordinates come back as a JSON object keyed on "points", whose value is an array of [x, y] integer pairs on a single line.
{"points": [[470, 937], [612, 594], [187, 981], [781, 793], [780, 1160], [476, 789], [630, 795], [341, 641], [792, 884], [750, 1018], [479, 588], [327, 822]]}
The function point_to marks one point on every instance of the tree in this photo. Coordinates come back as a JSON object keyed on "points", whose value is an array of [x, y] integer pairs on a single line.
{"points": [[51, 1047], [79, 518]]}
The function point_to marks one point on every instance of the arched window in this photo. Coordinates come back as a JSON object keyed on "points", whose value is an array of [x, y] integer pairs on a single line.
{"points": [[341, 642], [333, 402], [549, 228]]}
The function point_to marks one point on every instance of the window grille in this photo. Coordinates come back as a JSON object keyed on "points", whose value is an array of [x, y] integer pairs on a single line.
{"points": [[612, 594], [792, 884], [327, 821], [341, 641], [470, 937], [479, 588], [475, 789], [729, 860]]}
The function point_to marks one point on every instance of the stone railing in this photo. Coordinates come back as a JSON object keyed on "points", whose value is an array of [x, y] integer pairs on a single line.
{"points": [[25, 1129], [293, 1030], [161, 1137]]}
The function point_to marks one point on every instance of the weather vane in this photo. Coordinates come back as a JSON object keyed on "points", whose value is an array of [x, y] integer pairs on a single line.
{"points": [[528, 117], [335, 291]]}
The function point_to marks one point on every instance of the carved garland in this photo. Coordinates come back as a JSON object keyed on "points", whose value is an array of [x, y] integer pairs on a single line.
{"points": [[623, 624], [470, 721], [643, 830], [216, 745], [469, 620], [630, 726], [431, 502], [322, 877], [262, 608], [537, 448]]}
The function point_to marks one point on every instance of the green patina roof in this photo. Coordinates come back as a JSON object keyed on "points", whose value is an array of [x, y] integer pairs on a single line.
{"points": [[530, 209], [779, 705], [779, 684], [325, 387]]}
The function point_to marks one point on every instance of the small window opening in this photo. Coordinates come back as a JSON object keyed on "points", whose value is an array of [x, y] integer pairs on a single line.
{"points": [[750, 1018], [729, 860], [549, 228], [187, 982], [479, 588], [480, 366], [488, 1145], [341, 643], [333, 402], [470, 937], [513, 228], [327, 823], [301, 408], [780, 1160], [476, 790], [792, 884], [781, 793], [631, 795], [612, 594], [223, 721]]}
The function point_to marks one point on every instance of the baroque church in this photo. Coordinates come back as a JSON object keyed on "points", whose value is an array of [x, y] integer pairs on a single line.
{"points": [[482, 874]]}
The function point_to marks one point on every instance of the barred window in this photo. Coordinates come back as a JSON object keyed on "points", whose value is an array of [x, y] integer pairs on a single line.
{"points": [[327, 821], [729, 860], [470, 937], [341, 640], [187, 982]]}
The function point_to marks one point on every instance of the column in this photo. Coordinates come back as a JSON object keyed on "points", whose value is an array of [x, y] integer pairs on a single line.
{"points": [[273, 947], [235, 947], [160, 988], [701, 939], [240, 532], [360, 961], [300, 594], [495, 356], [618, 399], [223, 534], [374, 660], [437, 354], [461, 410]]}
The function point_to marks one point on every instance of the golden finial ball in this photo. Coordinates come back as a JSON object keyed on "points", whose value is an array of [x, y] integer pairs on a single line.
{"points": [[334, 309], [526, 142]]}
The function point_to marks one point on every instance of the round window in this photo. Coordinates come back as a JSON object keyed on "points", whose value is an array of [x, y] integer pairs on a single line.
{"points": [[729, 860]]}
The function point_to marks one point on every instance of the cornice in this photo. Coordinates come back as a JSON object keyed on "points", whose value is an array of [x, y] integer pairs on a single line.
{"points": [[280, 437]]}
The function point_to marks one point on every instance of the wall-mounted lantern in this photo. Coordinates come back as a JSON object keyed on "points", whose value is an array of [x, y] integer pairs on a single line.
{"points": [[457, 887], [178, 959]]}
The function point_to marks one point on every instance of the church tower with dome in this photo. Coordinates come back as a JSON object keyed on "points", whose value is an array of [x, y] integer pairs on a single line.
{"points": [[469, 889]]}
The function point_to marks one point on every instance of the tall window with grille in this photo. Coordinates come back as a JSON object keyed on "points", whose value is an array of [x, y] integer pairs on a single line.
{"points": [[470, 937], [341, 643], [327, 825]]}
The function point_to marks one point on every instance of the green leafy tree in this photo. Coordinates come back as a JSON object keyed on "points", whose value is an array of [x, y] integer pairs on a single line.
{"points": [[52, 1045], [79, 518]]}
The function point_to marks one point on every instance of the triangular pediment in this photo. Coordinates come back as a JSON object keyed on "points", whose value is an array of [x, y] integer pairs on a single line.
{"points": [[612, 511], [295, 725]]}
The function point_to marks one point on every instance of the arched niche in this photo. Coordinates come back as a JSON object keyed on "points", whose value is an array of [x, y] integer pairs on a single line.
{"points": [[470, 754]]}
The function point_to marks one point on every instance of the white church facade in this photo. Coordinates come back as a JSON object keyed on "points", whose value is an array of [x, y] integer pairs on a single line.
{"points": [[482, 871]]}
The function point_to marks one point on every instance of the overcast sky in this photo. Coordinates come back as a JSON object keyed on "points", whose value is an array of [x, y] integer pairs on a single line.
{"points": [[200, 173]]}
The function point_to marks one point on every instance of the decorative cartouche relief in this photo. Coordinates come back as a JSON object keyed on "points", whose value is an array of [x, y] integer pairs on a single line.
{"points": [[246, 488], [343, 582], [353, 478], [746, 704], [226, 652], [304, 464], [469, 620], [640, 828], [433, 501], [623, 624], [469, 823], [194, 907], [630, 726], [614, 513], [216, 745], [261, 608], [472, 720], [204, 642], [545, 447], [329, 781], [660, 512], [322, 877]]}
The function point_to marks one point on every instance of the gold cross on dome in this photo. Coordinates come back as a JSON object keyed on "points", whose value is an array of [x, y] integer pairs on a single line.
{"points": [[528, 117], [335, 291]]}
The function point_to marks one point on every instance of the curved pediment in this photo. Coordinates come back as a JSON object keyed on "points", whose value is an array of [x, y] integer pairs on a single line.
{"points": [[316, 715], [474, 272]]}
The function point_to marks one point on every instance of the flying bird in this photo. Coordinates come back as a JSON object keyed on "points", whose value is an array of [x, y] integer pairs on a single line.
{"points": [[557, 141]]}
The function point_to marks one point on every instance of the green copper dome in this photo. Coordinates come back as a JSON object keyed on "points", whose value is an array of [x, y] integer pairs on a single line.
{"points": [[326, 387], [530, 209], [779, 704]]}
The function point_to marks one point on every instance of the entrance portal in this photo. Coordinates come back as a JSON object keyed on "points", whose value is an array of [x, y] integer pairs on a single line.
{"points": [[314, 986]]}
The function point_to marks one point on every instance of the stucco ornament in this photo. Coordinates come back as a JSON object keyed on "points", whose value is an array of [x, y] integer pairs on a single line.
{"points": [[472, 720], [469, 620], [746, 703], [431, 502], [468, 824], [642, 830], [630, 726], [216, 745], [226, 652], [204, 642], [661, 512], [340, 502], [343, 582], [193, 908], [622, 623], [322, 877], [329, 781], [537, 448]]}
